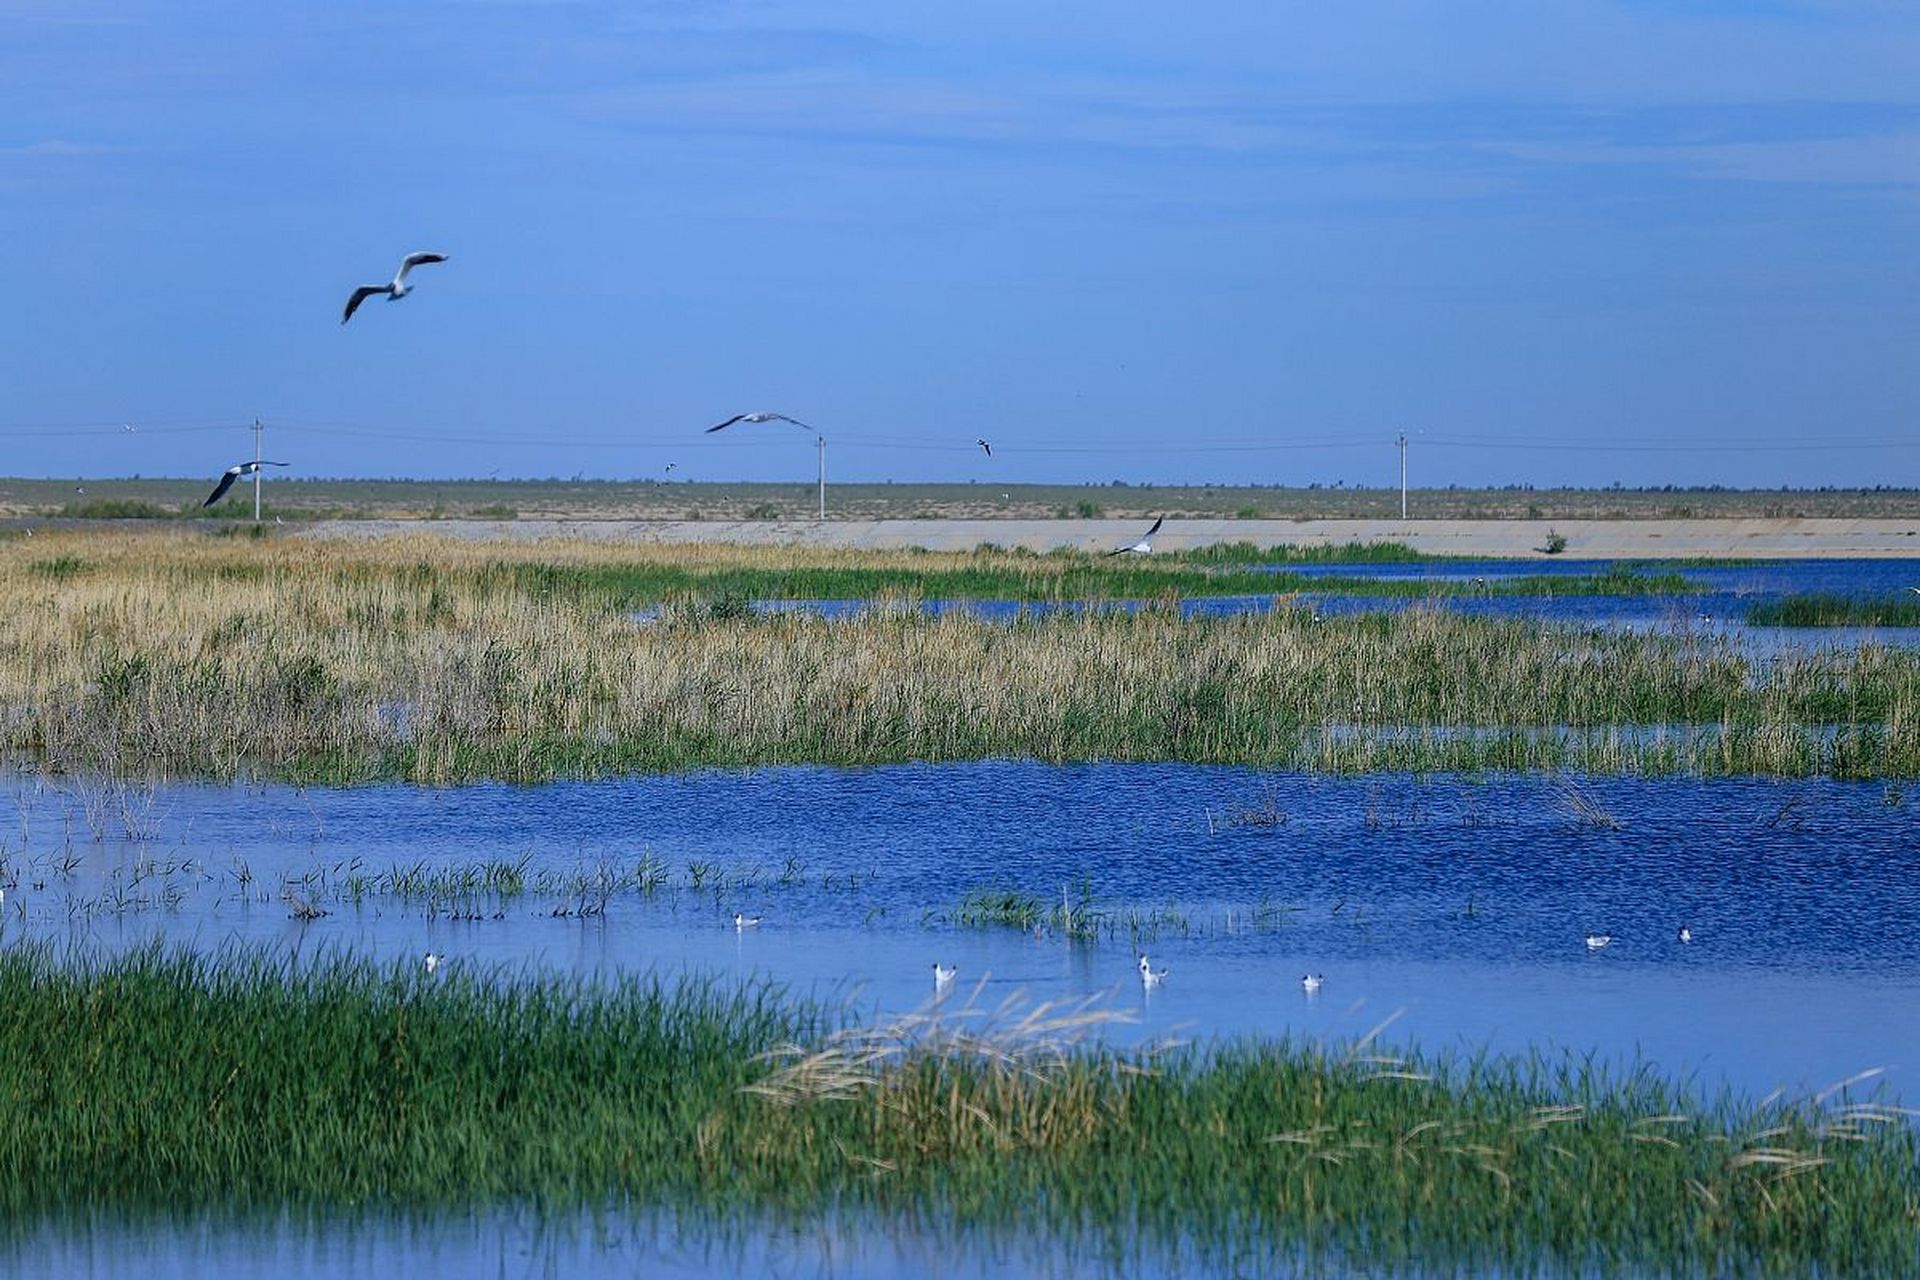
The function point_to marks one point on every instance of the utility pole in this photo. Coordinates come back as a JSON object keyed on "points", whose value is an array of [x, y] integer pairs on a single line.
{"points": [[821, 443], [256, 468], [1403, 475]]}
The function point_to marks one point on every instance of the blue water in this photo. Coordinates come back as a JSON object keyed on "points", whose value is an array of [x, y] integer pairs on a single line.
{"points": [[1452, 911], [1461, 906], [1718, 606]]}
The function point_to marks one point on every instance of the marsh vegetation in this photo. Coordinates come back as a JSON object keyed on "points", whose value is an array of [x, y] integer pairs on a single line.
{"points": [[436, 661], [247, 1080]]}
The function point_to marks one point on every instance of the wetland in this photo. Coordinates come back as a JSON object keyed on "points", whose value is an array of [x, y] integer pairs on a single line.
{"points": [[256, 782]]}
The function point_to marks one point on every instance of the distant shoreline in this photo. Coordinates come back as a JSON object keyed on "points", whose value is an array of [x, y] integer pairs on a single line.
{"points": [[1770, 539]]}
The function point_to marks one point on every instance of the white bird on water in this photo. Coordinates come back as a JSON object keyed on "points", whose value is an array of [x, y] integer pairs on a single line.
{"points": [[1150, 976], [744, 921], [763, 415], [1684, 936], [431, 961], [1312, 982], [1595, 941], [396, 288], [233, 473], [944, 974], [1145, 545]]}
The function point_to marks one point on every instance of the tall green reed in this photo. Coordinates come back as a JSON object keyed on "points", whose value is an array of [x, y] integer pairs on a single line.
{"points": [[160, 1079]]}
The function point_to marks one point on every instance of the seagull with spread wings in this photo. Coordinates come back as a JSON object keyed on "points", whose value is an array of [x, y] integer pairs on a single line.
{"points": [[1145, 545], [985, 447], [762, 416], [396, 288], [233, 473]]}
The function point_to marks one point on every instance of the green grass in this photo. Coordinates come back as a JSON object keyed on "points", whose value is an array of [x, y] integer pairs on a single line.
{"points": [[135, 652], [1065, 576], [1836, 611], [161, 1081]]}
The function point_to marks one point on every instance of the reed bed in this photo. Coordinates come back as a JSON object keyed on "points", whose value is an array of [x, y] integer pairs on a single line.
{"points": [[438, 662], [163, 1080], [1819, 610]]}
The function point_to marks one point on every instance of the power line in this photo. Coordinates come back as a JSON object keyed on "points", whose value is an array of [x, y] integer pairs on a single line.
{"points": [[890, 443], [119, 429]]}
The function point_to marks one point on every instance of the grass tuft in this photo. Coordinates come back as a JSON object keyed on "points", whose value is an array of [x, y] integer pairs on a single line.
{"points": [[160, 1080]]}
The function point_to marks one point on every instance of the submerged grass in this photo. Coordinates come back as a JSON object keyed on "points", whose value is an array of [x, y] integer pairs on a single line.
{"points": [[434, 662], [165, 1080]]}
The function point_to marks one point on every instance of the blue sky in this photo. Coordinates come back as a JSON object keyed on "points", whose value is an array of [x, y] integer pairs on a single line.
{"points": [[1556, 241]]}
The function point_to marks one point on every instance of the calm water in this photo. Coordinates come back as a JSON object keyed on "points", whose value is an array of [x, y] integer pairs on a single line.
{"points": [[1718, 606], [1459, 906], [1453, 909]]}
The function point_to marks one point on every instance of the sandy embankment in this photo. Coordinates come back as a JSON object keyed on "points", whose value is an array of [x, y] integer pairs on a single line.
{"points": [[1604, 539]]}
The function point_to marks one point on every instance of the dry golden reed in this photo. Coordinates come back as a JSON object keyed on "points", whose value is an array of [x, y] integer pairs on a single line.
{"points": [[438, 659]]}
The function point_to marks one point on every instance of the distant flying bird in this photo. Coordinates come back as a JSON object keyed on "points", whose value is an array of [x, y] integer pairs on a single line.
{"points": [[127, 427], [669, 470], [1145, 545], [396, 288], [944, 973], [1312, 982], [744, 922], [233, 473], [79, 488], [1595, 941], [762, 416], [985, 447]]}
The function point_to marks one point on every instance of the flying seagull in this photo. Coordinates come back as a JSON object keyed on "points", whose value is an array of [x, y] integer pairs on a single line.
{"points": [[985, 447], [1145, 545], [233, 473], [762, 416], [396, 288]]}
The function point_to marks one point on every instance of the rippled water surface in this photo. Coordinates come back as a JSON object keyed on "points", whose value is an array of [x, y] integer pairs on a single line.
{"points": [[1457, 907], [1718, 604], [1452, 912]]}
